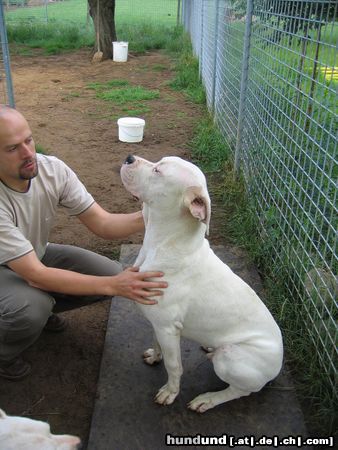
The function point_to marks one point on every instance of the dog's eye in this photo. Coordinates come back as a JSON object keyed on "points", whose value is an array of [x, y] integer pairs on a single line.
{"points": [[156, 170]]}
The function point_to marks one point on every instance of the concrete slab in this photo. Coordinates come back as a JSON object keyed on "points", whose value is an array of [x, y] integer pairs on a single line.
{"points": [[126, 417]]}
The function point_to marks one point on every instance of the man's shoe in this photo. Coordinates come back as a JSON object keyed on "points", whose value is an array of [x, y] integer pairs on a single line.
{"points": [[15, 370], [55, 323]]}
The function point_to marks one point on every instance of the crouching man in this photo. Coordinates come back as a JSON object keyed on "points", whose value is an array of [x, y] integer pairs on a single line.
{"points": [[35, 274]]}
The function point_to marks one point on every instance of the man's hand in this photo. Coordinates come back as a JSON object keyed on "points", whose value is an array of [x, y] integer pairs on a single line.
{"points": [[130, 283], [135, 285]]}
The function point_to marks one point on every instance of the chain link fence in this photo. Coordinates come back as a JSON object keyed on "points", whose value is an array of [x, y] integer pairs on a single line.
{"points": [[6, 86], [76, 11], [270, 71]]}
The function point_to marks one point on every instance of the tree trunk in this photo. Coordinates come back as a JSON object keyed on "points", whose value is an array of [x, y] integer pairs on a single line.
{"points": [[104, 24]]}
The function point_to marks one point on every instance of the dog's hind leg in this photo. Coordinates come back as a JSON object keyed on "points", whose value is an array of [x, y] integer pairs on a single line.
{"points": [[209, 400], [242, 368], [153, 355]]}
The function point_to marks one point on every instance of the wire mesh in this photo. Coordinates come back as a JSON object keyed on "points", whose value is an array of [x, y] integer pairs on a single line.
{"points": [[288, 147], [76, 11], [6, 87], [154, 11]]}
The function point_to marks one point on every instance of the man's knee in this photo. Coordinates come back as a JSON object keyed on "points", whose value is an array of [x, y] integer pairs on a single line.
{"points": [[80, 260], [39, 310], [28, 319]]}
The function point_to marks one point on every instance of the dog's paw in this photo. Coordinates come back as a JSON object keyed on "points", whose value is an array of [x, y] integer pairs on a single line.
{"points": [[203, 402], [152, 357], [165, 396]]}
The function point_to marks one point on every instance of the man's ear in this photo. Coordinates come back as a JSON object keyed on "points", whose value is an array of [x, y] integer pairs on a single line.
{"points": [[196, 199]]}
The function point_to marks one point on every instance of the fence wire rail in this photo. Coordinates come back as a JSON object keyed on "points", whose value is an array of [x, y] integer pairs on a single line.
{"points": [[270, 71]]}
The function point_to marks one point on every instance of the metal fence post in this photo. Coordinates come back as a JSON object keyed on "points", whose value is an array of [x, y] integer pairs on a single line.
{"points": [[5, 53], [244, 83], [214, 71], [201, 55]]}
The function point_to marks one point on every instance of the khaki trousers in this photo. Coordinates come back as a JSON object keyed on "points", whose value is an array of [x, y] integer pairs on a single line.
{"points": [[24, 310]]}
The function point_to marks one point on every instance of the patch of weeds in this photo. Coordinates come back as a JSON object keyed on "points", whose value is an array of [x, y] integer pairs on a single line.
{"points": [[110, 84], [187, 78], [208, 146], [137, 111], [117, 83], [120, 92], [128, 94], [53, 38]]}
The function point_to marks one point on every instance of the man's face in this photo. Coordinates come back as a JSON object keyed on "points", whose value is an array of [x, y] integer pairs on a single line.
{"points": [[18, 162]]}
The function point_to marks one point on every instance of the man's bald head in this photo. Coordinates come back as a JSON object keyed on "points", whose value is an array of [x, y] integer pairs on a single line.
{"points": [[9, 117], [18, 162]]}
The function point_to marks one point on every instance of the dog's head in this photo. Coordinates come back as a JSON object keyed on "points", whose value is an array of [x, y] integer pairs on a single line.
{"points": [[22, 432], [172, 184]]}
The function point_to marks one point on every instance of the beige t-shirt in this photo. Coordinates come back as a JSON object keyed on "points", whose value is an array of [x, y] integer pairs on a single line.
{"points": [[27, 218]]}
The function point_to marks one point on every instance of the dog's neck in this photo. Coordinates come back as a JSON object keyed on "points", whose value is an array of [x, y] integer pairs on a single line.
{"points": [[177, 236]]}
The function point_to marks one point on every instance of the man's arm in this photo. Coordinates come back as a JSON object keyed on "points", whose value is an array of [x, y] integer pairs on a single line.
{"points": [[129, 283], [111, 226]]}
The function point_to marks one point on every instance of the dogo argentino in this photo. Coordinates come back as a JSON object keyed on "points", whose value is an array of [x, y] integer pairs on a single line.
{"points": [[28, 434], [205, 301]]}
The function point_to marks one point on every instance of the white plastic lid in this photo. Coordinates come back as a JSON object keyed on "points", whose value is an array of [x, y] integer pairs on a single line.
{"points": [[131, 121], [122, 43]]}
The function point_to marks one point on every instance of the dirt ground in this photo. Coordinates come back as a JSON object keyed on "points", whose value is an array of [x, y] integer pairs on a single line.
{"points": [[71, 123]]}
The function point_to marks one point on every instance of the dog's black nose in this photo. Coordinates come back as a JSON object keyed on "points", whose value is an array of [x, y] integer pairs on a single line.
{"points": [[130, 159]]}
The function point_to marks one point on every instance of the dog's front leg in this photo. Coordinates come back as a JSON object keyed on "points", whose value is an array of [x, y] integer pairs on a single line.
{"points": [[171, 352]]}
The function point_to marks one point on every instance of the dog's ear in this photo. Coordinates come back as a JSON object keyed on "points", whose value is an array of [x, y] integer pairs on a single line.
{"points": [[196, 199]]}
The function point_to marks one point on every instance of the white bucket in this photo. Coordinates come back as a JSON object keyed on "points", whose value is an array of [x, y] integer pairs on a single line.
{"points": [[120, 51], [131, 129]]}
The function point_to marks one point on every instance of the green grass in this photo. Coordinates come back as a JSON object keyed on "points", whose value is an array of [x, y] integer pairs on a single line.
{"points": [[146, 25], [187, 75], [128, 94], [75, 11], [130, 98], [120, 92], [50, 37], [209, 147], [71, 11], [109, 84], [156, 11]]}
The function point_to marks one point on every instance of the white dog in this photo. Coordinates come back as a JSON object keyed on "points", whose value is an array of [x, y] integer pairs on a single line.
{"points": [[205, 301], [21, 433]]}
